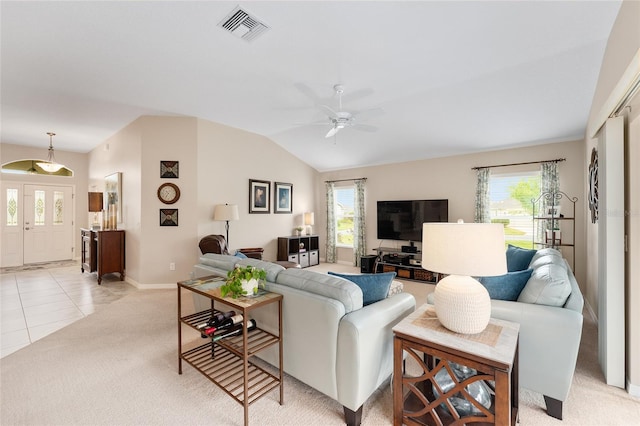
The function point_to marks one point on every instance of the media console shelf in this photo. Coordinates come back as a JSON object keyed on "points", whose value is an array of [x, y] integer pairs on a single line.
{"points": [[400, 262]]}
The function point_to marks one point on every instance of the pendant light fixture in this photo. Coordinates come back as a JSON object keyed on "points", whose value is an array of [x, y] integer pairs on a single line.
{"points": [[50, 166]]}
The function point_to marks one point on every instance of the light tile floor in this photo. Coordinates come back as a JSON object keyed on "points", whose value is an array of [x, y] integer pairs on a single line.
{"points": [[38, 302]]}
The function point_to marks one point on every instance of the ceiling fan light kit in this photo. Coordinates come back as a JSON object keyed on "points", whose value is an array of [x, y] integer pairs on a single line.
{"points": [[341, 119]]}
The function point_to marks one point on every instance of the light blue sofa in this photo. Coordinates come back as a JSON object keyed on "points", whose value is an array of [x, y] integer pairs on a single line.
{"points": [[331, 341], [549, 311]]}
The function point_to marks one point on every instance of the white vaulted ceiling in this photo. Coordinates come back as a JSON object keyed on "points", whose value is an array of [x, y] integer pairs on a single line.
{"points": [[451, 77]]}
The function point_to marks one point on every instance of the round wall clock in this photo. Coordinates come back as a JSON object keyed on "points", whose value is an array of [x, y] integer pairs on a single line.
{"points": [[169, 193]]}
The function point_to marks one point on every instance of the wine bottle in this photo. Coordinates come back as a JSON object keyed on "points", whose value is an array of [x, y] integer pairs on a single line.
{"points": [[215, 320], [218, 318], [236, 331], [227, 323]]}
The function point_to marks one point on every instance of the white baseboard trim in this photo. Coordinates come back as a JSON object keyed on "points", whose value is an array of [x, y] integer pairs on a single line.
{"points": [[339, 262], [158, 286], [633, 390], [591, 312]]}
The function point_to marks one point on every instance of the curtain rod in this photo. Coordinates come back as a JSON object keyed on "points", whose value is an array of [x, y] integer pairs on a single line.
{"points": [[557, 160], [343, 180]]}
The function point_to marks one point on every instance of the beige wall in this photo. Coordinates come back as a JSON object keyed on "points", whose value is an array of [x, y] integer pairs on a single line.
{"points": [[227, 159], [77, 162], [122, 153], [216, 163], [623, 44], [453, 178]]}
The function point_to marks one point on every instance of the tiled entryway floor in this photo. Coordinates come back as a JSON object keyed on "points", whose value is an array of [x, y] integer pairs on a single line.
{"points": [[35, 303]]}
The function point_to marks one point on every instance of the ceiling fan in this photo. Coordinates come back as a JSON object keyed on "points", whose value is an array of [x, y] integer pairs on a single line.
{"points": [[341, 119]]}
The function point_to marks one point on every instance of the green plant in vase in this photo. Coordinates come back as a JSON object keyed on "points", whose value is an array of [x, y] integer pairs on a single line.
{"points": [[243, 281]]}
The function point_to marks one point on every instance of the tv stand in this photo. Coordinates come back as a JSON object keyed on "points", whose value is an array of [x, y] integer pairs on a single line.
{"points": [[402, 266]]}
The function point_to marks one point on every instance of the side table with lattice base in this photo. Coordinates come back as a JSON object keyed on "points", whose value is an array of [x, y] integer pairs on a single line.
{"points": [[464, 379]]}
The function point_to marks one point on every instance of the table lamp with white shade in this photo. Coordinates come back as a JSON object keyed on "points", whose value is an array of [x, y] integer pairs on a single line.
{"points": [[463, 250], [226, 212], [309, 221]]}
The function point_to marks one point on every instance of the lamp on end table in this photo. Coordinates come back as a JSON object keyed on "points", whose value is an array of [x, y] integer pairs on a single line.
{"points": [[226, 212], [95, 206], [463, 250]]}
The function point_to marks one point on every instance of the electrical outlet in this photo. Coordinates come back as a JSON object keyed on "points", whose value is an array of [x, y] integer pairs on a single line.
{"points": [[172, 266]]}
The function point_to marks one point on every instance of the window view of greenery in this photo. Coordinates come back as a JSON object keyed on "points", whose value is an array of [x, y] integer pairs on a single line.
{"points": [[511, 196], [344, 201]]}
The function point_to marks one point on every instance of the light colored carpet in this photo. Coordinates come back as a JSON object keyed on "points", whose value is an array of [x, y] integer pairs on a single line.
{"points": [[119, 367]]}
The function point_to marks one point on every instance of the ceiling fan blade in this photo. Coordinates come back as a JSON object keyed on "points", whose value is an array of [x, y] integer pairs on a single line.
{"points": [[308, 92], [365, 127], [352, 96], [330, 112], [368, 113], [332, 132], [315, 123]]}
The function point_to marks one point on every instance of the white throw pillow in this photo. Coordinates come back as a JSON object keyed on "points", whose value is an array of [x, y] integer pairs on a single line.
{"points": [[548, 285]]}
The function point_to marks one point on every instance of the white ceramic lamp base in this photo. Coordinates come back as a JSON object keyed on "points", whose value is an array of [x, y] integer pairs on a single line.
{"points": [[462, 304]]}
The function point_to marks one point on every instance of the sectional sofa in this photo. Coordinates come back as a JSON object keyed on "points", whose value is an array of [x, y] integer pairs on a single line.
{"points": [[541, 294], [332, 341]]}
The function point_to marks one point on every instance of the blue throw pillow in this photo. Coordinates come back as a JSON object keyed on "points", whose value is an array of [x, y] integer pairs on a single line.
{"points": [[374, 287], [518, 259], [240, 254], [508, 286]]}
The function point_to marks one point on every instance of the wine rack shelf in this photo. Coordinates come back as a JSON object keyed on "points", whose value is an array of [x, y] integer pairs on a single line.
{"points": [[226, 369], [227, 362]]}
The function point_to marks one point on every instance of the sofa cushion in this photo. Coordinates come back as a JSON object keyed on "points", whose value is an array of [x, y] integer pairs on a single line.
{"points": [[518, 259], [508, 286], [547, 259], [272, 269], [344, 291], [548, 285], [374, 287], [220, 261], [546, 252]]}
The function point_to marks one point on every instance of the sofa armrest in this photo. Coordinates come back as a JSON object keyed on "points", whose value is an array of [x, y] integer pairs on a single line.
{"points": [[365, 347], [549, 342]]}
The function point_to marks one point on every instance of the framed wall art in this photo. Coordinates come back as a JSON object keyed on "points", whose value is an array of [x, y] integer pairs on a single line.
{"points": [[283, 197], [259, 196], [113, 195], [168, 217], [169, 169]]}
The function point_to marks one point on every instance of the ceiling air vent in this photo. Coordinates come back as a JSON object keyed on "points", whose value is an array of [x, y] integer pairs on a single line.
{"points": [[243, 25]]}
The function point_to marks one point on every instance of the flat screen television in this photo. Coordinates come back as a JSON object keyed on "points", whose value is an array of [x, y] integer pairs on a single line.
{"points": [[402, 220]]}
